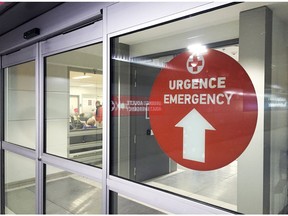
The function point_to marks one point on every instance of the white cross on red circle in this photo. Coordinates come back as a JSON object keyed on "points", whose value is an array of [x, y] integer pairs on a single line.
{"points": [[195, 64]]}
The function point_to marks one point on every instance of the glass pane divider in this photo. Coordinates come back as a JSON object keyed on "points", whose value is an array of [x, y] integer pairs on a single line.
{"points": [[72, 166], [26, 152], [162, 200]]}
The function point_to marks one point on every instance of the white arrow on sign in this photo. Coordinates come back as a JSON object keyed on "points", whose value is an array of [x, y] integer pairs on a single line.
{"points": [[194, 126]]}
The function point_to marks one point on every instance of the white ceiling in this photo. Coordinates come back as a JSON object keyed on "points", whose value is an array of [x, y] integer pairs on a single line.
{"points": [[217, 17], [215, 26], [92, 80]]}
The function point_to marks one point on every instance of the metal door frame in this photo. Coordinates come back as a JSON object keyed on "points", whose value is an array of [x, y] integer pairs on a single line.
{"points": [[88, 35], [19, 57]]}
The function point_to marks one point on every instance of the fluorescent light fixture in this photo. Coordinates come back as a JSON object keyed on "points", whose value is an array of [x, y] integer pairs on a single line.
{"points": [[81, 77], [197, 49]]}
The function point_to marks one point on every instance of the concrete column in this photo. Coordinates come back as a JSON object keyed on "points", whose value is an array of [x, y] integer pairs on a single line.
{"points": [[255, 37]]}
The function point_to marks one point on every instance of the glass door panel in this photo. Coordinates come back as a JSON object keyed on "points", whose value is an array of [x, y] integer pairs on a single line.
{"points": [[19, 184], [73, 104], [68, 193], [20, 123]]}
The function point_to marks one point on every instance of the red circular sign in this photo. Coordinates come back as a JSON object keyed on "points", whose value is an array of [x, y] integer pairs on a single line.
{"points": [[203, 110]]}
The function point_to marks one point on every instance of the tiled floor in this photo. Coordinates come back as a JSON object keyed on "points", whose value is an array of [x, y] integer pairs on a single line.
{"points": [[69, 196], [63, 196], [72, 195], [217, 187]]}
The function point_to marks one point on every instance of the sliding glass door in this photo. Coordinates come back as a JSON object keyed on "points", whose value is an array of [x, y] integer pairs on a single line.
{"points": [[53, 117]]}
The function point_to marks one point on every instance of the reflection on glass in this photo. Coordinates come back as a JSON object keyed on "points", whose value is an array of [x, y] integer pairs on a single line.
{"points": [[20, 105], [135, 152], [123, 205], [74, 105], [19, 184], [68, 193]]}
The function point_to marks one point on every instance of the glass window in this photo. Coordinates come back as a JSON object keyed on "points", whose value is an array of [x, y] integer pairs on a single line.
{"points": [[136, 151], [123, 205], [20, 105], [278, 104], [19, 184], [74, 105], [187, 101], [68, 193]]}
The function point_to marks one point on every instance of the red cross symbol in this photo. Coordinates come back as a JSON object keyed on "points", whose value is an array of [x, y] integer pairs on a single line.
{"points": [[195, 63]]}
